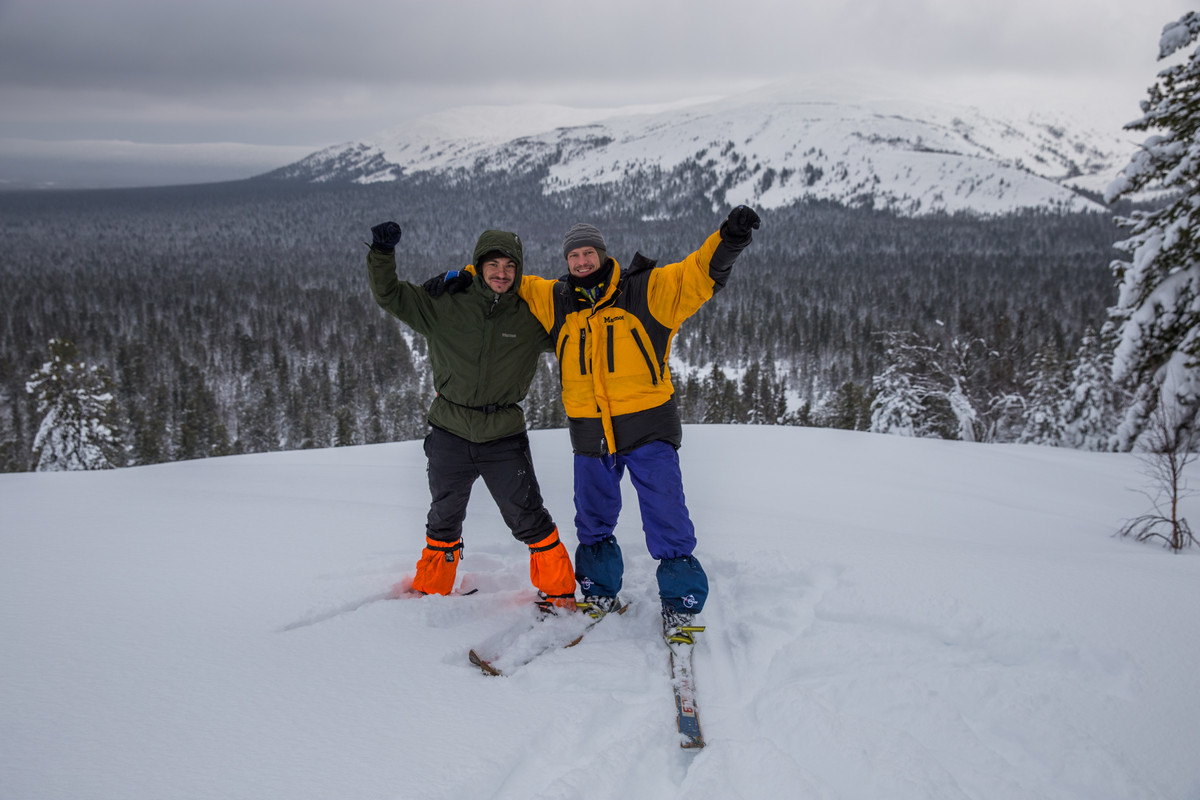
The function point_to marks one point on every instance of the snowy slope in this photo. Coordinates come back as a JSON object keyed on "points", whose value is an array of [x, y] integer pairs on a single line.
{"points": [[890, 618], [842, 142]]}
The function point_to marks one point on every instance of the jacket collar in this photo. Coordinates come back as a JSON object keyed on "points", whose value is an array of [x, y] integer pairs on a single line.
{"points": [[603, 291]]}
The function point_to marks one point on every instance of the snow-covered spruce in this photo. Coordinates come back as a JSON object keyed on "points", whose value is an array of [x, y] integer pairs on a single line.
{"points": [[1158, 304], [78, 428]]}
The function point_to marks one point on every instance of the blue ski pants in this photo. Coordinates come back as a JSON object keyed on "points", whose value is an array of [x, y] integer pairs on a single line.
{"points": [[670, 535]]}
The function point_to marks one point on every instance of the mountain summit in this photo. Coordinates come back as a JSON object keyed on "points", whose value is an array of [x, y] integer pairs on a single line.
{"points": [[853, 145]]}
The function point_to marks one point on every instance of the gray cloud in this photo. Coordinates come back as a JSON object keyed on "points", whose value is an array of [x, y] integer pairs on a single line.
{"points": [[26, 164], [315, 73]]}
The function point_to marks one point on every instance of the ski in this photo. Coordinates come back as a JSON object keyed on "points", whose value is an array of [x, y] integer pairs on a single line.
{"points": [[484, 665], [395, 593], [400, 591], [527, 642], [681, 640], [686, 714], [405, 589]]}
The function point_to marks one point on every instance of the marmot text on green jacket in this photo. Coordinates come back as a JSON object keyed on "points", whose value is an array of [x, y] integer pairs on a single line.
{"points": [[483, 347]]}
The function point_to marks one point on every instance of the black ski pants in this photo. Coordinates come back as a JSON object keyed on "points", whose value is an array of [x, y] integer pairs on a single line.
{"points": [[507, 470]]}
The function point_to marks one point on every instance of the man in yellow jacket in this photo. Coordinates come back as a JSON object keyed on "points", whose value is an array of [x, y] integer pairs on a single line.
{"points": [[613, 329]]}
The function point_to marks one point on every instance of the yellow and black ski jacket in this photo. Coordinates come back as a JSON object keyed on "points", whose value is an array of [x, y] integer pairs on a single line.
{"points": [[613, 351]]}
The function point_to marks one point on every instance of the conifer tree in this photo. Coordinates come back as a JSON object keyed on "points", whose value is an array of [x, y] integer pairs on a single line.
{"points": [[763, 393], [200, 432], [79, 413], [910, 393], [689, 394], [848, 409], [721, 400], [1158, 307], [752, 380], [1046, 388], [772, 395], [12, 456], [151, 442], [897, 407], [259, 421], [344, 427], [1092, 403]]}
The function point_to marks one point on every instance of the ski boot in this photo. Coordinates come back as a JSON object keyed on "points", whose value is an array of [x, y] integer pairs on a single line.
{"points": [[555, 604], [596, 606], [679, 627]]}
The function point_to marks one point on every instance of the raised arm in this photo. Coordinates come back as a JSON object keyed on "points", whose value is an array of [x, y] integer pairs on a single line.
{"points": [[406, 301], [678, 290]]}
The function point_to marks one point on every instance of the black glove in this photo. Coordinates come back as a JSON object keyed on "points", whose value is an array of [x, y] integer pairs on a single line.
{"points": [[451, 282], [737, 226], [385, 236]]}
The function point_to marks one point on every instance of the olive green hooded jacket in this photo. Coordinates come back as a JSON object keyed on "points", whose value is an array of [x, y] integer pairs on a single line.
{"points": [[484, 347]]}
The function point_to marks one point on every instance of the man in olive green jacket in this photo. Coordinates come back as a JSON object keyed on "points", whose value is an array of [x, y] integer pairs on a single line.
{"points": [[484, 345]]}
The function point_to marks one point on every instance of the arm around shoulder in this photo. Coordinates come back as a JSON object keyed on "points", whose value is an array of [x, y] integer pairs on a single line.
{"points": [[538, 294]]}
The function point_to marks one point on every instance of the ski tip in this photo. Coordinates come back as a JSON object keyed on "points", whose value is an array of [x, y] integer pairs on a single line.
{"points": [[690, 743], [399, 592], [484, 666]]}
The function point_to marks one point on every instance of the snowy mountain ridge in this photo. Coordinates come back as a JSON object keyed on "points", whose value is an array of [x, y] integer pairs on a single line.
{"points": [[848, 144]]}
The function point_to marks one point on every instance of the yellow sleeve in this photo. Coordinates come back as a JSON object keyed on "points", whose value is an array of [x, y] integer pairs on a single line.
{"points": [[676, 291], [538, 294]]}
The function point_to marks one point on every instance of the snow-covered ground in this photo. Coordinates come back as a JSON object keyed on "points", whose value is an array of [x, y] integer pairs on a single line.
{"points": [[889, 618]]}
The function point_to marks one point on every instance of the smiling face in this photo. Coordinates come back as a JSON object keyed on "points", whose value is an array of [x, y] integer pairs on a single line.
{"points": [[583, 261], [498, 272]]}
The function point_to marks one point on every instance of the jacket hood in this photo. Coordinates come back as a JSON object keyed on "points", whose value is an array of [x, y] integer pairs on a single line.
{"points": [[507, 243]]}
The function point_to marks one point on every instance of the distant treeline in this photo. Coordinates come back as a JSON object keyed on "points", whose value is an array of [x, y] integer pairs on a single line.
{"points": [[236, 317]]}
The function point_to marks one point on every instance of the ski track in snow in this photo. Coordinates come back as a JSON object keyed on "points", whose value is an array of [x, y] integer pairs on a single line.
{"points": [[778, 689], [888, 618]]}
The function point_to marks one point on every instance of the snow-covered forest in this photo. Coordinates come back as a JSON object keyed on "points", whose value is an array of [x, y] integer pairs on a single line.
{"points": [[236, 317]]}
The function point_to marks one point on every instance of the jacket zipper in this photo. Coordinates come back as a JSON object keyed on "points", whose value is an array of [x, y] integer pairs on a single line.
{"points": [[645, 354], [487, 342], [612, 359]]}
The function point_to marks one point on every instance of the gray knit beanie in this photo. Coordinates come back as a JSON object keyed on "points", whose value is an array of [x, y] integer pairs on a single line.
{"points": [[583, 235]]}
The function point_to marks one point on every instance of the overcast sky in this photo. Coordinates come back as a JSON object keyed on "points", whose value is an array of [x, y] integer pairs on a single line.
{"points": [[280, 79]]}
